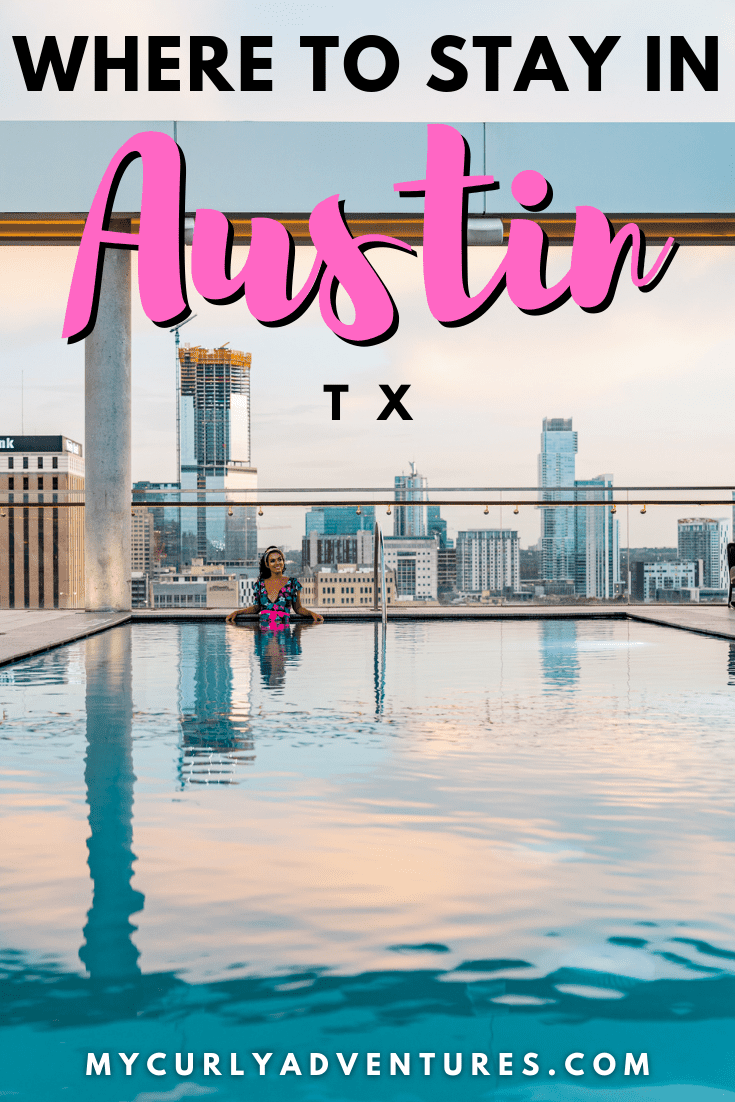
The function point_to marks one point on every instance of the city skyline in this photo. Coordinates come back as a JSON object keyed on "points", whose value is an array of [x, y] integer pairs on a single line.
{"points": [[477, 424]]}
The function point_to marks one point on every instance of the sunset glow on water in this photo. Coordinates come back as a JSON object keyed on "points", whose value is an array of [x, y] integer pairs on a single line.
{"points": [[457, 838]]}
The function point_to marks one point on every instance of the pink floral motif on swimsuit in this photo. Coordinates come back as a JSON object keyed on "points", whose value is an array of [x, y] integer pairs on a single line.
{"points": [[275, 614]]}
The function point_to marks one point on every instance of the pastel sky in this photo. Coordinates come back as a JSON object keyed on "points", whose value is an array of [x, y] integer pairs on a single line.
{"points": [[648, 383]]}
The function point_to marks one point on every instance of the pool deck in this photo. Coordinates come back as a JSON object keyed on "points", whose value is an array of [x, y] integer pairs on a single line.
{"points": [[25, 632]]}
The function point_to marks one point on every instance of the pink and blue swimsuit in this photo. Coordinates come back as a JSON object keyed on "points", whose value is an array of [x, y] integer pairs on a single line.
{"points": [[275, 615]]}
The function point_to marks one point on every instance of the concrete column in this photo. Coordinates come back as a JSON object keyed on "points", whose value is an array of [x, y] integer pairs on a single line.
{"points": [[107, 419]]}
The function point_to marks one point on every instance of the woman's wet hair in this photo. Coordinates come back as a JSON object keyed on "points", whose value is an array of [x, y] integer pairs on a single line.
{"points": [[264, 568]]}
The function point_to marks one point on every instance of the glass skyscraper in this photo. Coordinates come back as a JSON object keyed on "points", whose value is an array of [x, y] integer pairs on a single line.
{"points": [[214, 453], [556, 464], [597, 551], [339, 520], [410, 520], [706, 539], [436, 526]]}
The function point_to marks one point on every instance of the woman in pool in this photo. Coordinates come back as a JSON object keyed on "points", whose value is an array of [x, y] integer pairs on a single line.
{"points": [[275, 595]]}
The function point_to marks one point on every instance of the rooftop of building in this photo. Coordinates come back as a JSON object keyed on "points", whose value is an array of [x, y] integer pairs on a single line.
{"points": [[701, 520], [195, 353], [557, 424]]}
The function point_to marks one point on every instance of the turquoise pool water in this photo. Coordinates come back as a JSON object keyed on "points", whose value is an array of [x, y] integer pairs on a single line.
{"points": [[456, 838]]}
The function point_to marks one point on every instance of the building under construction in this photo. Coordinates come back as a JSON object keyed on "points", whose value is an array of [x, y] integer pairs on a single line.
{"points": [[214, 454]]}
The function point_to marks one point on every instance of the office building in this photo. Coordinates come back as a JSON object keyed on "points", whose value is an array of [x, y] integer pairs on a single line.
{"points": [[556, 468], [706, 539], [213, 590], [414, 561], [142, 541], [660, 581], [139, 589], [162, 502], [488, 559], [446, 564], [410, 520], [339, 520], [319, 551], [214, 454], [436, 526], [41, 549], [596, 540], [345, 585]]}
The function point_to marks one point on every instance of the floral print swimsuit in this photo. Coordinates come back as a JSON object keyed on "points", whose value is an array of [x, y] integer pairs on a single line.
{"points": [[276, 614]]}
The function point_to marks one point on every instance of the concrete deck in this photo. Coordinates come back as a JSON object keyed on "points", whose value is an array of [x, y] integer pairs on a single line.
{"points": [[24, 632], [30, 631]]}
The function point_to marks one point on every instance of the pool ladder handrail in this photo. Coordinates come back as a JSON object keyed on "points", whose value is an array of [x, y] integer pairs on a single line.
{"points": [[379, 563]]}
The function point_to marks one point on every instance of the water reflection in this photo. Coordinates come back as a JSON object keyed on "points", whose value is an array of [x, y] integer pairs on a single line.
{"points": [[731, 665], [215, 708], [391, 997], [275, 650], [559, 657], [108, 952], [540, 881], [379, 641]]}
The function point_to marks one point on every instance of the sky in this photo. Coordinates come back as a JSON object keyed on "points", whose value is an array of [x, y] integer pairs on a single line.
{"points": [[648, 383]]}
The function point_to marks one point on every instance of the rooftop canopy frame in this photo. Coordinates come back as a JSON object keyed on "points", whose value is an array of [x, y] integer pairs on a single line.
{"points": [[672, 179]]}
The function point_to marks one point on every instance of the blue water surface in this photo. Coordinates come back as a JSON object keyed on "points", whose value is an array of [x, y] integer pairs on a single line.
{"points": [[492, 838]]}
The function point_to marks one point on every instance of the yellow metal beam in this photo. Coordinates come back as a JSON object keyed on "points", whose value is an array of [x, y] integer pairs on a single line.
{"points": [[688, 229]]}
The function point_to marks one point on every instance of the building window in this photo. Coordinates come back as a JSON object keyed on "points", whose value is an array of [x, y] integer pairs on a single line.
{"points": [[11, 483], [40, 483], [55, 462], [25, 483], [40, 462], [11, 463], [25, 462]]}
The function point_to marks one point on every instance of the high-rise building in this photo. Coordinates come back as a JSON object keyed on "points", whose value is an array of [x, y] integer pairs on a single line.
{"points": [[436, 526], [596, 540], [651, 581], [488, 559], [556, 463], [414, 560], [142, 541], [410, 520], [214, 451], [706, 539], [446, 565], [339, 520], [319, 550], [41, 549], [166, 547]]}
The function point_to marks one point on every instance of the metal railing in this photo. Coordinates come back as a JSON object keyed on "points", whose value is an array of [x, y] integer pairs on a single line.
{"points": [[482, 496], [379, 561], [488, 506]]}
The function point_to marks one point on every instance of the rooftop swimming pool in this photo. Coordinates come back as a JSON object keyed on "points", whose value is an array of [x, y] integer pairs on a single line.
{"points": [[457, 838]]}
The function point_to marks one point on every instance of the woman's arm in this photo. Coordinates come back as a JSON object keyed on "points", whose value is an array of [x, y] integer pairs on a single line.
{"points": [[301, 611], [249, 611]]}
